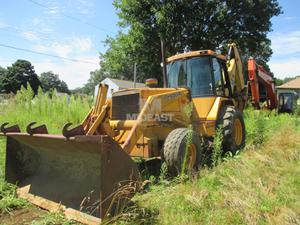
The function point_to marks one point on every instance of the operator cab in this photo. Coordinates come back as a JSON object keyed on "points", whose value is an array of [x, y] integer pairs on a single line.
{"points": [[203, 72], [287, 102]]}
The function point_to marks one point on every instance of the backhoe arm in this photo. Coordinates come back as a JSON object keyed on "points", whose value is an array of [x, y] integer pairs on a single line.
{"points": [[258, 75], [235, 71]]}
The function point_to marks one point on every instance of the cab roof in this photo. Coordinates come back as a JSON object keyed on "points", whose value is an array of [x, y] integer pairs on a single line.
{"points": [[195, 54]]}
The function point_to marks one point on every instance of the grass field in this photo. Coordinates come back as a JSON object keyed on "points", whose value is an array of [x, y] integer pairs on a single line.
{"points": [[260, 185]]}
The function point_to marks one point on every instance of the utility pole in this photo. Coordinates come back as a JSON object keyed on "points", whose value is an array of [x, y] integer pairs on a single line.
{"points": [[134, 75], [163, 57]]}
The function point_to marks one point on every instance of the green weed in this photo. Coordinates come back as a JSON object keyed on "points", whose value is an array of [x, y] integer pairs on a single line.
{"points": [[188, 141], [8, 198], [52, 219], [217, 148], [54, 111]]}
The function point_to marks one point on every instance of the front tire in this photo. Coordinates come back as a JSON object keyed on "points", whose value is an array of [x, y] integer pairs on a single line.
{"points": [[232, 125], [174, 151]]}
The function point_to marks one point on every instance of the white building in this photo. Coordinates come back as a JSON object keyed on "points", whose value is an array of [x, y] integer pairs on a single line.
{"points": [[115, 85], [292, 86]]}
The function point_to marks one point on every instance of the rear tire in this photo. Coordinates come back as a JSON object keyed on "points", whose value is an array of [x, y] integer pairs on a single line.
{"points": [[232, 124], [175, 147]]}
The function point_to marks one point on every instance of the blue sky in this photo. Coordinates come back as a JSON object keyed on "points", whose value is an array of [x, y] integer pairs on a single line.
{"points": [[76, 29]]}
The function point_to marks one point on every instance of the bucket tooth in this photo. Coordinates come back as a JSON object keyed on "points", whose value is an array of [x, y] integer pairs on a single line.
{"points": [[79, 130], [42, 129], [12, 129]]}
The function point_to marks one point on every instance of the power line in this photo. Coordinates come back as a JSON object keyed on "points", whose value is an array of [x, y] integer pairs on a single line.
{"points": [[46, 54], [71, 17]]}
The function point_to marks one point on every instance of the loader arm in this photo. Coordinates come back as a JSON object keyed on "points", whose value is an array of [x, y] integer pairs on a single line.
{"points": [[154, 106], [97, 120]]}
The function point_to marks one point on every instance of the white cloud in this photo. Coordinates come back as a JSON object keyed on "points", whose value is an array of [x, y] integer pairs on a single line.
{"points": [[286, 43], [5, 62], [285, 60], [82, 44], [83, 7], [63, 50], [285, 68], [41, 26], [30, 35], [3, 24], [41, 48], [36, 21], [74, 74], [54, 10], [77, 45], [71, 7]]}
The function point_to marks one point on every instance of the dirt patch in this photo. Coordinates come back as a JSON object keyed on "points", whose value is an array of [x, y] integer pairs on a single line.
{"points": [[21, 216]]}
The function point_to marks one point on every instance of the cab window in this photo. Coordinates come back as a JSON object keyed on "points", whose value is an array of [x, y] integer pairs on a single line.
{"points": [[195, 73], [218, 77], [177, 74], [199, 76]]}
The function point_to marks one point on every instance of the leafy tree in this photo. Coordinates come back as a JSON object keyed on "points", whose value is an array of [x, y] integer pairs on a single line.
{"points": [[95, 78], [19, 74], [63, 87], [51, 81], [185, 25], [118, 60], [2, 76]]}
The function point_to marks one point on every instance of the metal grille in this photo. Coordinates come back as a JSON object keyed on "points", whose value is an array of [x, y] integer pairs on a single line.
{"points": [[125, 106]]}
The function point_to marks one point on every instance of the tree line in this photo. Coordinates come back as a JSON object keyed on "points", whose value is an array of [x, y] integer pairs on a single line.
{"points": [[183, 25], [21, 73]]}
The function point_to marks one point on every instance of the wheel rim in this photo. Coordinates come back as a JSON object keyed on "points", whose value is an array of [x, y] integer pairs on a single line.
{"points": [[238, 132], [191, 157]]}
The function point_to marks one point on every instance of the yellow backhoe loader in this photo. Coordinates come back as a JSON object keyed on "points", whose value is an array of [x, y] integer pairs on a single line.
{"points": [[88, 171]]}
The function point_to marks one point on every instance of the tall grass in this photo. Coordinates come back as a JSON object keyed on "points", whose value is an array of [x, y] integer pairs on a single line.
{"points": [[261, 186], [262, 124], [54, 110]]}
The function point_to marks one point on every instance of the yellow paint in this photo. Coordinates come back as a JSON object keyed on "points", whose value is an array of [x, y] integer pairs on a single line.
{"points": [[210, 128], [151, 81], [214, 111], [202, 107], [195, 54], [238, 132]]}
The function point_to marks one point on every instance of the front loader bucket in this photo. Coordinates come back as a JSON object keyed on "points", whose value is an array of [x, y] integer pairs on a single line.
{"points": [[82, 176]]}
